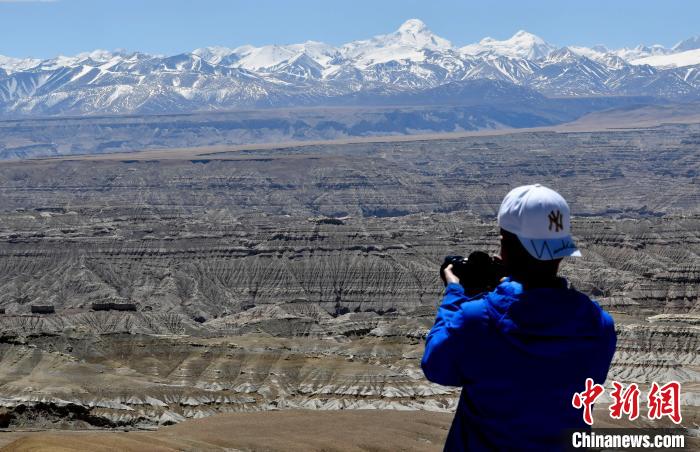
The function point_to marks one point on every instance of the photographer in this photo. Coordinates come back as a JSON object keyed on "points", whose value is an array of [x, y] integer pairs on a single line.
{"points": [[521, 350]]}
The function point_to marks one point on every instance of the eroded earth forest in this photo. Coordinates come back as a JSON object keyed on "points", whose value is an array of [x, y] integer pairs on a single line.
{"points": [[143, 291]]}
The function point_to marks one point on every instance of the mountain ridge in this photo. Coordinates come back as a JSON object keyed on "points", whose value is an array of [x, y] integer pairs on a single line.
{"points": [[407, 62]]}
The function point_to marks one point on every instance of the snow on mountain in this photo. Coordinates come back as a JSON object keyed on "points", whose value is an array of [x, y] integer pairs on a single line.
{"points": [[96, 57], [262, 58], [496, 67], [588, 52], [564, 72], [22, 64], [298, 61], [681, 59], [213, 54], [409, 65], [690, 75], [641, 52], [255, 59], [410, 42], [520, 45], [9, 64], [616, 58]]}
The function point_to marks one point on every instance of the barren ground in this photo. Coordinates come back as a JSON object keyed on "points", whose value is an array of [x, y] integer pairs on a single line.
{"points": [[358, 430], [306, 277]]}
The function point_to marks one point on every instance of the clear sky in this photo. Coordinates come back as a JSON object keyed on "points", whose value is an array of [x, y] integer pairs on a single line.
{"points": [[46, 28]]}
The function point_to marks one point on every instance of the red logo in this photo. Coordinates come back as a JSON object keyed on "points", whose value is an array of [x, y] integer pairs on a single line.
{"points": [[587, 398], [662, 401], [626, 401], [665, 401]]}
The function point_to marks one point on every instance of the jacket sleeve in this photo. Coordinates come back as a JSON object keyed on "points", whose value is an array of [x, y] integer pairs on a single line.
{"points": [[445, 345]]}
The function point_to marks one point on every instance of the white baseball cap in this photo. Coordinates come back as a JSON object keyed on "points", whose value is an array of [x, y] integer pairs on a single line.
{"points": [[541, 219]]}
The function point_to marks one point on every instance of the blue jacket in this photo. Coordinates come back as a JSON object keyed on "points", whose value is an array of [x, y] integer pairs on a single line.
{"points": [[519, 355]]}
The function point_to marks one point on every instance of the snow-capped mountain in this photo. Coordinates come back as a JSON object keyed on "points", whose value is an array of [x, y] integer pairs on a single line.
{"points": [[672, 60], [413, 42], [522, 45], [397, 68]]}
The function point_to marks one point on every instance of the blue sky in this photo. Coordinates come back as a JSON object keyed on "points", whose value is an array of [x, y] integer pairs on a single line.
{"points": [[47, 28]]}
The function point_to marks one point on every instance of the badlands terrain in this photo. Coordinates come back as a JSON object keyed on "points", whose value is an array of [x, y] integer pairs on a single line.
{"points": [[305, 277]]}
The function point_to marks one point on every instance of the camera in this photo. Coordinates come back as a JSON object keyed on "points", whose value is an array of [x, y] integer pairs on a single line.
{"points": [[477, 273]]}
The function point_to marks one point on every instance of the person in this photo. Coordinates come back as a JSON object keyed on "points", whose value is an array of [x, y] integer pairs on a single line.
{"points": [[521, 351]]}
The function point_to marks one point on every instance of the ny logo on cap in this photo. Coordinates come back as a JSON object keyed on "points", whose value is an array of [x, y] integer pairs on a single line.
{"points": [[556, 220]]}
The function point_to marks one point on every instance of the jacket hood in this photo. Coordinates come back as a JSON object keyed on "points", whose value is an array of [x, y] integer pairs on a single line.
{"points": [[544, 312]]}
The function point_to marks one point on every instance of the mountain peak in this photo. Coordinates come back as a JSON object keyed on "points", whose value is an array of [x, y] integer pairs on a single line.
{"points": [[408, 43], [522, 44], [522, 34], [413, 26], [10, 64], [564, 54], [414, 33]]}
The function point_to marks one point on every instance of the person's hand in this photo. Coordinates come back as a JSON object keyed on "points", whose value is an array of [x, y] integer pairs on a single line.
{"points": [[449, 276]]}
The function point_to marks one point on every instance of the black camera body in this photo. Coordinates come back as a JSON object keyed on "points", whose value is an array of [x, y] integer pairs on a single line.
{"points": [[477, 273]]}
